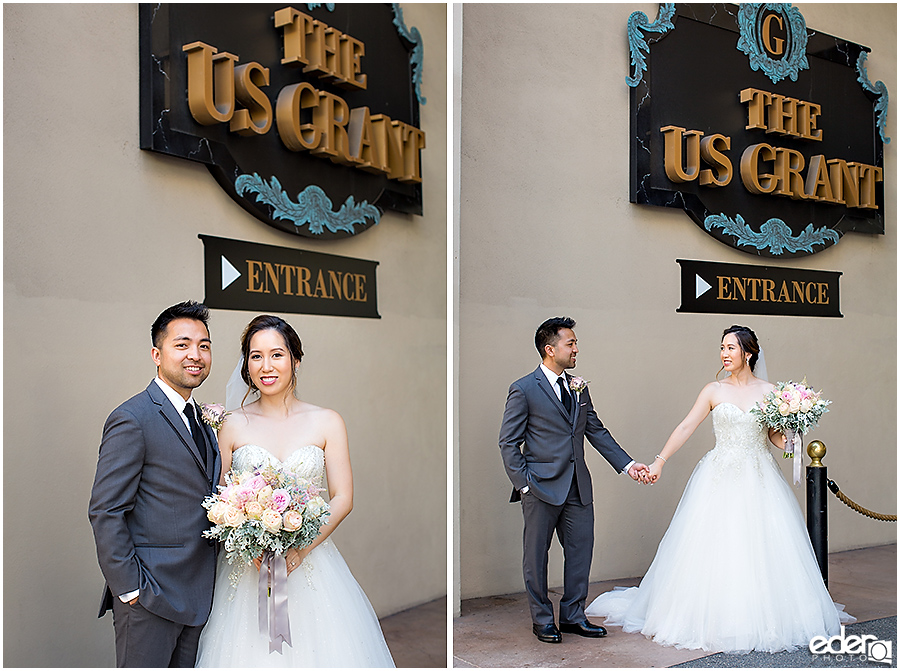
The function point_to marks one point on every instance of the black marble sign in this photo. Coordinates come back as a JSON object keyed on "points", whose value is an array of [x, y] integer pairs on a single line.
{"points": [[300, 189], [768, 134]]}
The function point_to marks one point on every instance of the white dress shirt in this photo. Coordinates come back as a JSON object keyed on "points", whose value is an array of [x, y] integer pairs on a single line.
{"points": [[178, 401]]}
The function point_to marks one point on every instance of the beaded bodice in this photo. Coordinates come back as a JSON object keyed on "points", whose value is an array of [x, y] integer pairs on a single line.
{"points": [[740, 439], [307, 462]]}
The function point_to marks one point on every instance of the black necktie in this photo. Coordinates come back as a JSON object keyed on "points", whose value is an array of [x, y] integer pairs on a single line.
{"points": [[564, 394], [195, 431]]}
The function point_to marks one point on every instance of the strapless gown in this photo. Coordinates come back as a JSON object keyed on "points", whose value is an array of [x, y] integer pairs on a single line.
{"points": [[735, 570], [332, 622]]}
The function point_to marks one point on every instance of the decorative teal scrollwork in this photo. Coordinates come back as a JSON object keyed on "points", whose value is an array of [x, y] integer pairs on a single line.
{"points": [[313, 207], [794, 52], [418, 51], [637, 22], [314, 5], [774, 235], [879, 89]]}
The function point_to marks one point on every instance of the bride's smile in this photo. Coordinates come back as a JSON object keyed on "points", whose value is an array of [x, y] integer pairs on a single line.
{"points": [[269, 363]]}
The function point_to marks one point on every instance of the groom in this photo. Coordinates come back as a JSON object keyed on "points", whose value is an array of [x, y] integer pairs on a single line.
{"points": [[157, 462], [547, 417]]}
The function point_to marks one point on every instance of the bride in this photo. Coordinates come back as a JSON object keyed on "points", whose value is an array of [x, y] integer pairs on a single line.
{"points": [[332, 623], [735, 571]]}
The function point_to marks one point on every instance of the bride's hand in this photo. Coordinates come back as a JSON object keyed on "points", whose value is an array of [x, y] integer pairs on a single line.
{"points": [[655, 470], [294, 558]]}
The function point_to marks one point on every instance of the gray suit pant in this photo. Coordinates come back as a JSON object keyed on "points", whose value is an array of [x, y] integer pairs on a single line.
{"points": [[147, 640], [574, 527]]}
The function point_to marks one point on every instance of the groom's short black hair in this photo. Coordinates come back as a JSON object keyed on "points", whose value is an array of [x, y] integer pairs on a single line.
{"points": [[548, 332], [187, 309]]}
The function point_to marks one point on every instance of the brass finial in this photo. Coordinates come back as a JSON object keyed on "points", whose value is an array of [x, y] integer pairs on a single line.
{"points": [[816, 450]]}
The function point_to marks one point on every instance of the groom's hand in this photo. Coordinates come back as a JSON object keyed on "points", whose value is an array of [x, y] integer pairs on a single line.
{"points": [[639, 472]]}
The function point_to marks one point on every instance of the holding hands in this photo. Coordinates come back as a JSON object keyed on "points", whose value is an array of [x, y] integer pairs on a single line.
{"points": [[647, 475], [640, 473]]}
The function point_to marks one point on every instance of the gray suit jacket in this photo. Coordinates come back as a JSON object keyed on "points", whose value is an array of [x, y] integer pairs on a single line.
{"points": [[543, 446], [146, 510]]}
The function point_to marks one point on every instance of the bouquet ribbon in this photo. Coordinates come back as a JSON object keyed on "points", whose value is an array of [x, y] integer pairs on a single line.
{"points": [[792, 447], [274, 620]]}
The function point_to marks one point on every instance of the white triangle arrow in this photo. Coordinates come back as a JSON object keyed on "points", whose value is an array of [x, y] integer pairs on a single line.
{"points": [[702, 286], [229, 273]]}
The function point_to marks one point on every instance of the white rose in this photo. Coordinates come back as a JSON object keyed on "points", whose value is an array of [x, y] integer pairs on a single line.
{"points": [[254, 510], [316, 506], [216, 514], [234, 517], [271, 520]]}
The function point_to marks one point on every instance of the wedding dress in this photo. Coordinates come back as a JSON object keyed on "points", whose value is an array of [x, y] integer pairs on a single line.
{"points": [[735, 571], [332, 622]]}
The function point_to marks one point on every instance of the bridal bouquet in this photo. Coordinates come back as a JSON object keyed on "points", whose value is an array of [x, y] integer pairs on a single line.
{"points": [[793, 409], [266, 510]]}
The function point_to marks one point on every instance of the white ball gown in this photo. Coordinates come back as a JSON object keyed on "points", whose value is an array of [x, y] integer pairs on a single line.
{"points": [[332, 622], [735, 570]]}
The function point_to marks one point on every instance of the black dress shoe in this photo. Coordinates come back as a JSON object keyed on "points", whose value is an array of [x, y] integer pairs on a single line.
{"points": [[547, 633], [584, 628]]}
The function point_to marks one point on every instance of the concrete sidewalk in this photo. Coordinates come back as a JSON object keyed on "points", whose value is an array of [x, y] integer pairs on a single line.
{"points": [[417, 638], [496, 631]]}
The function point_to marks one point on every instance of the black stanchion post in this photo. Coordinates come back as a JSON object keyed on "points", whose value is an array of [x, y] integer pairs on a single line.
{"points": [[817, 505]]}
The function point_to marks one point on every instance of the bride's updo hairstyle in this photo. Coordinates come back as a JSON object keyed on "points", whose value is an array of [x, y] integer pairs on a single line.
{"points": [[748, 342], [291, 342]]}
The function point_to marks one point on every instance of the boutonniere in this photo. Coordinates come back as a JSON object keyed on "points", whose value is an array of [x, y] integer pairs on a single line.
{"points": [[213, 414], [578, 384]]}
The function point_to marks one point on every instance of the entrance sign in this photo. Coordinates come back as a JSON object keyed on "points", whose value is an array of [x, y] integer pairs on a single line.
{"points": [[308, 118], [768, 135], [263, 278], [730, 288]]}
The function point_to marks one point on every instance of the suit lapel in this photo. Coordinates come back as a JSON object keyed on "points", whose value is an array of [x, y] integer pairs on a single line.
{"points": [[544, 384], [167, 410]]}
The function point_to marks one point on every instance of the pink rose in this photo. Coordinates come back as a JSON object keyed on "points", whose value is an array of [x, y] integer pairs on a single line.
{"points": [[281, 499], [256, 483], [293, 520]]}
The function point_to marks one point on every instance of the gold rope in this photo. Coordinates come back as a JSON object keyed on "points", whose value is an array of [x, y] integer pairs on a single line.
{"points": [[858, 508]]}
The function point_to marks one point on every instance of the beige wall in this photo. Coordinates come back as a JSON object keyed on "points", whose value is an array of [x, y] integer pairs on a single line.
{"points": [[544, 176], [100, 236]]}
